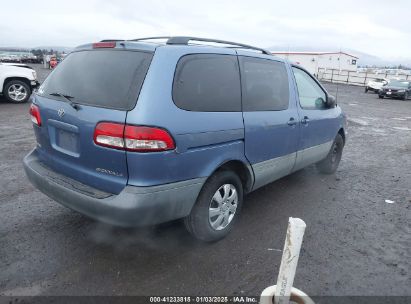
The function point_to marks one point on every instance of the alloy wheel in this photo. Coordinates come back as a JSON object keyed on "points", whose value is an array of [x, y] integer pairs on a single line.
{"points": [[17, 92], [223, 207]]}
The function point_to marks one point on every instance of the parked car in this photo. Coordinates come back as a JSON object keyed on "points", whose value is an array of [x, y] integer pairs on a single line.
{"points": [[11, 58], [22, 65], [17, 81], [400, 89], [134, 133], [375, 85], [32, 59], [5, 58]]}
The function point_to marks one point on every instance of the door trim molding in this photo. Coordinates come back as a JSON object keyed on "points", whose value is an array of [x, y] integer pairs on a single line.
{"points": [[311, 155], [268, 171]]}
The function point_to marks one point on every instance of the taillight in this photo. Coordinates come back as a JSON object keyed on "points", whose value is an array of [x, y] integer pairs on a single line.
{"points": [[146, 139], [132, 138], [35, 114], [102, 45], [109, 134]]}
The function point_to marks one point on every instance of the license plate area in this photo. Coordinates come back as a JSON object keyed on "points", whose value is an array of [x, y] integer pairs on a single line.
{"points": [[67, 140], [64, 138]]}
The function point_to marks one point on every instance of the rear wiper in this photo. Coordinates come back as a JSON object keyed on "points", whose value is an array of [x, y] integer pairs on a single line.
{"points": [[68, 98]]}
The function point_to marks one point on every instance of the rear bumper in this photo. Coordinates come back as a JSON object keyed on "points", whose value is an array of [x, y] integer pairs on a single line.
{"points": [[134, 206]]}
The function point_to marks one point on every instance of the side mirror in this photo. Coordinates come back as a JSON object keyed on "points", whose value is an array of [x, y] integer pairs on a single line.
{"points": [[331, 101]]}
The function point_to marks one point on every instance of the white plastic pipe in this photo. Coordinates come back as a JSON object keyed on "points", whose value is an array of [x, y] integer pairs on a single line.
{"points": [[289, 260], [297, 296]]}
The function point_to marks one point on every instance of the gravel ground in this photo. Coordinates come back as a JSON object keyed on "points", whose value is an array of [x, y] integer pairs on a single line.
{"points": [[355, 242]]}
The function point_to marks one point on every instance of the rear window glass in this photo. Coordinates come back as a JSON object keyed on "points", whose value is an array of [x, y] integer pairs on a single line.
{"points": [[207, 83], [265, 84], [101, 78]]}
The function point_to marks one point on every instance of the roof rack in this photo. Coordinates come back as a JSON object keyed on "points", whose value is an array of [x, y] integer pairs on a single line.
{"points": [[182, 40], [151, 38], [111, 40]]}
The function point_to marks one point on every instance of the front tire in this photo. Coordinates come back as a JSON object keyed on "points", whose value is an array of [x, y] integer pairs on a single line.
{"points": [[366, 89], [330, 164], [217, 207], [17, 91], [381, 96]]}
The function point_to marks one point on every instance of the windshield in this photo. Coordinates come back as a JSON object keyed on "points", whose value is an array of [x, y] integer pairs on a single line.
{"points": [[101, 78], [399, 83]]}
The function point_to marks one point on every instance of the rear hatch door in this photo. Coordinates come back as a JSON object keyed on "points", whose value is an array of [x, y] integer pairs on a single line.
{"points": [[88, 87]]}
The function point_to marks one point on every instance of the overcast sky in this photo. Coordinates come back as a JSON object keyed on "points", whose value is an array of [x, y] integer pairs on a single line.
{"points": [[381, 28]]}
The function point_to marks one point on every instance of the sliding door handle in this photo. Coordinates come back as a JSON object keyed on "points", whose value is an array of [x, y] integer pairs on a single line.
{"points": [[292, 122], [305, 120]]}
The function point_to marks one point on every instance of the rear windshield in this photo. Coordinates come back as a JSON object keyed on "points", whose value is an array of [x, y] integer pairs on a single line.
{"points": [[101, 78]]}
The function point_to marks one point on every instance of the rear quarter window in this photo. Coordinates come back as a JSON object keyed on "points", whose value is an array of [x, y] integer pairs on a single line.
{"points": [[265, 84], [101, 78], [207, 83]]}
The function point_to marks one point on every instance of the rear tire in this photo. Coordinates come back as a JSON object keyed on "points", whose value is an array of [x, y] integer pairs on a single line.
{"points": [[17, 91], [217, 207], [366, 89], [330, 164]]}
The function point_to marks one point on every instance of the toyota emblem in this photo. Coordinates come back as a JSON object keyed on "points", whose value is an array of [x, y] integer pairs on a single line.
{"points": [[60, 112]]}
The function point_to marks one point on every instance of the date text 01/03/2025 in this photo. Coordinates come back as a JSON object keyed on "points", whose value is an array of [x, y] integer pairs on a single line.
{"points": [[203, 299]]}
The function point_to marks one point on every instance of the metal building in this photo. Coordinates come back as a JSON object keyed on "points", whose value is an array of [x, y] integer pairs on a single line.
{"points": [[312, 61]]}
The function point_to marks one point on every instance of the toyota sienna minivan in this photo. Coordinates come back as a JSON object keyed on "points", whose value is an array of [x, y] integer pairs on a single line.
{"points": [[146, 131]]}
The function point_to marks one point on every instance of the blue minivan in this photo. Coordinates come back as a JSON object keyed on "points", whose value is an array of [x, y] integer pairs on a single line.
{"points": [[140, 132]]}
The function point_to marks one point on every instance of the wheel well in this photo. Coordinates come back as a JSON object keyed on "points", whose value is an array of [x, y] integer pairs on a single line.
{"points": [[241, 170], [342, 133], [25, 80]]}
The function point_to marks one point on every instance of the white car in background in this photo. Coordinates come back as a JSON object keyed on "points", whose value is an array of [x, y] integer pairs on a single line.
{"points": [[376, 84], [17, 81]]}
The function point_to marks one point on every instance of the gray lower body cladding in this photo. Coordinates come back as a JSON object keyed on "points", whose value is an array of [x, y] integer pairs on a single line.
{"points": [[134, 206]]}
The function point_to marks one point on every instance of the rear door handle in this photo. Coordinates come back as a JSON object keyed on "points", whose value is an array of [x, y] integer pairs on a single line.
{"points": [[305, 120], [292, 122]]}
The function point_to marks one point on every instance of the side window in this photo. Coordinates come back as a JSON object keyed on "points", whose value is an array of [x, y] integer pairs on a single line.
{"points": [[207, 83], [265, 84], [310, 93]]}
